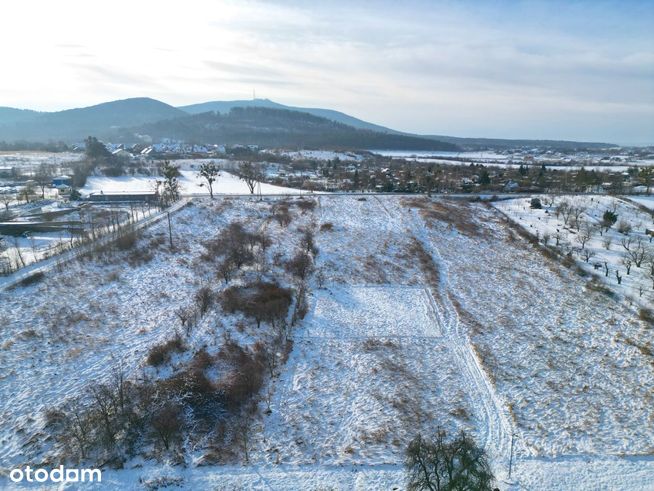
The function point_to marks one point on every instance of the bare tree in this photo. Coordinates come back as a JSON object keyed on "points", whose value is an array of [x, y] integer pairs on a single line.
{"points": [[6, 199], [209, 172], [440, 465], [587, 254], [251, 174], [576, 213], [584, 235], [43, 177], [607, 243], [166, 423], [626, 261], [638, 253]]}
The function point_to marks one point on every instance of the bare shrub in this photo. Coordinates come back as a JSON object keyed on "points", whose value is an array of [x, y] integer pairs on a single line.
{"points": [[301, 304], [192, 386], [646, 315], [300, 265], [127, 240], [246, 375], [167, 423], [261, 301], [233, 242], [160, 353], [327, 227], [204, 299], [308, 242], [282, 214], [624, 227], [305, 204], [202, 360]]}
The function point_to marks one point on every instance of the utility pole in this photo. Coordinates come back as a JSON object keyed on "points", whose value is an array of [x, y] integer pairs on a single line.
{"points": [[511, 457], [170, 236]]}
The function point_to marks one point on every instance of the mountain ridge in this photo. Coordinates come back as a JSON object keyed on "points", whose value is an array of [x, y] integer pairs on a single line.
{"points": [[108, 119]]}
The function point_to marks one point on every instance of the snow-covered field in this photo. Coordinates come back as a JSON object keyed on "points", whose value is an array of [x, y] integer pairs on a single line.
{"points": [[189, 182], [29, 160], [647, 201], [320, 155], [604, 252], [422, 313]]}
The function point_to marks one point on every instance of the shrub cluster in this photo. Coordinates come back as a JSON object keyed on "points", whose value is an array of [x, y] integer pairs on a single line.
{"points": [[261, 301], [160, 353], [115, 421]]}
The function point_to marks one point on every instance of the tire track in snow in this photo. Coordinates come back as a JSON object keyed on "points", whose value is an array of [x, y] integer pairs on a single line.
{"points": [[495, 429]]}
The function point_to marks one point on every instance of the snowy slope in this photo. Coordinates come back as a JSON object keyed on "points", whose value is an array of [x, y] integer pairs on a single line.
{"points": [[502, 340]]}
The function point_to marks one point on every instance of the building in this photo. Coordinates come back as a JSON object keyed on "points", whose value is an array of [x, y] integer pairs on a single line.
{"points": [[124, 197], [61, 181]]}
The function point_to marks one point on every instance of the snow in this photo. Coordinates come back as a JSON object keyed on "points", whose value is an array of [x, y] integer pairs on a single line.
{"points": [[646, 201], [504, 341], [440, 153], [189, 182], [636, 285], [320, 155], [30, 160]]}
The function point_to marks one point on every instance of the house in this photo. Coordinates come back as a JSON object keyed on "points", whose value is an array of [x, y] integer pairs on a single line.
{"points": [[511, 185], [60, 181], [122, 153]]}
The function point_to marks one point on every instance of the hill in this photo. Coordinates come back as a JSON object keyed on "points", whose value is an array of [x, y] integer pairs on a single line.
{"points": [[224, 107], [109, 120], [502, 143], [279, 128], [76, 124], [10, 115]]}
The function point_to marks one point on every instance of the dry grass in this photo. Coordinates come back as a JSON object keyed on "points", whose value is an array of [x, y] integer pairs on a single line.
{"points": [[418, 252], [374, 344], [456, 215]]}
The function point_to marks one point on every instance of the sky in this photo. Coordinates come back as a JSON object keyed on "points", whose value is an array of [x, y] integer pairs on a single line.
{"points": [[577, 70]]}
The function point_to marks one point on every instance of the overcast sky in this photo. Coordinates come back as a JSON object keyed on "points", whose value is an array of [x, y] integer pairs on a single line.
{"points": [[564, 70]]}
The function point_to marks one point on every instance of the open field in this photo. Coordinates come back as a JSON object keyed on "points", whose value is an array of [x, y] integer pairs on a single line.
{"points": [[420, 313]]}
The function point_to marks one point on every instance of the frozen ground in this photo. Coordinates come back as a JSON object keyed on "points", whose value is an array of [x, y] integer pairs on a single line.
{"points": [[477, 331]]}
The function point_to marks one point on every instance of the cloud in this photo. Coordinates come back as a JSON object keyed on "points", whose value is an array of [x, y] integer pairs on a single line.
{"points": [[513, 68]]}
